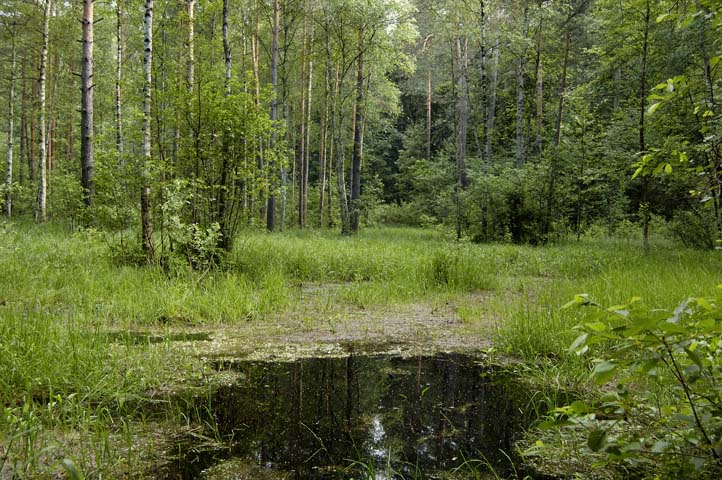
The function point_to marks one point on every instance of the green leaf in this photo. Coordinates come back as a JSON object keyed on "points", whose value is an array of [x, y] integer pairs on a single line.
{"points": [[596, 326], [660, 446], [668, 168], [653, 108], [694, 357], [649, 366], [638, 172], [597, 440], [72, 470], [579, 344], [702, 302], [555, 423], [579, 408], [603, 372]]}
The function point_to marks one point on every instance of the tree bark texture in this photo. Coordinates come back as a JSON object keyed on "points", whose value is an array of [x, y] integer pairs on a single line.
{"points": [[41, 210], [145, 198], [86, 123], [11, 132], [271, 208], [357, 141]]}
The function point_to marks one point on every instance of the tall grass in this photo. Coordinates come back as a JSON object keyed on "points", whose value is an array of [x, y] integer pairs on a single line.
{"points": [[61, 293]]}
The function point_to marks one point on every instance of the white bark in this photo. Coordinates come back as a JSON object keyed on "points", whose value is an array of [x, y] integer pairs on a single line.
{"points": [[11, 131], [118, 83], [145, 209], [86, 124], [41, 211]]}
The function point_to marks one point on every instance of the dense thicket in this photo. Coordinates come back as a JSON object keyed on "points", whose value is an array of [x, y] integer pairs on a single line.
{"points": [[518, 120]]}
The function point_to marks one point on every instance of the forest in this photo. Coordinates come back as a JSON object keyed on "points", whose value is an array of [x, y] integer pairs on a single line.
{"points": [[420, 238]]}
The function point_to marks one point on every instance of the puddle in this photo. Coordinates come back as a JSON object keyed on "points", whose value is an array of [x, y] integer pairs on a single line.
{"points": [[373, 417], [142, 338]]}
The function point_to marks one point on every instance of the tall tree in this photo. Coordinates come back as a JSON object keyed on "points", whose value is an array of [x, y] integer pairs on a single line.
{"points": [[118, 86], [357, 139], [41, 210], [11, 120], [86, 124], [520, 88], [146, 218], [271, 208]]}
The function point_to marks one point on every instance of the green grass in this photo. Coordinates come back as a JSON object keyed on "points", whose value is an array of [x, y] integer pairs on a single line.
{"points": [[61, 293]]}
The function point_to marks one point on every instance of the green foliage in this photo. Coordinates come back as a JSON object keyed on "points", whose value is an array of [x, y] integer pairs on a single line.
{"points": [[661, 400], [695, 228], [198, 245]]}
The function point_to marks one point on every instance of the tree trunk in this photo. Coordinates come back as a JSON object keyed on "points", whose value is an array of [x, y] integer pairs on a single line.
{"points": [[145, 200], [491, 112], [302, 152], [23, 130], [557, 138], [223, 220], [337, 132], [428, 116], [271, 209], [462, 111], [520, 93], [226, 49], [86, 124], [324, 134], [32, 139], [309, 105], [191, 44], [539, 74], [357, 141], [644, 207], [41, 211], [118, 88], [11, 132]]}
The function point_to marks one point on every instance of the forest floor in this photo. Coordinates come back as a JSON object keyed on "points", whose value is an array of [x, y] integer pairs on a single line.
{"points": [[99, 359]]}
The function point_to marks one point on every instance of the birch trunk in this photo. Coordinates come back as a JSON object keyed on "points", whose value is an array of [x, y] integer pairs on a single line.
{"points": [[118, 87], [644, 207], [41, 211], [491, 113], [337, 132], [557, 138], [227, 49], [324, 134], [86, 124], [145, 200], [302, 151], [11, 131], [224, 221], [307, 161], [520, 93], [539, 87], [191, 44], [271, 209], [462, 111], [357, 141]]}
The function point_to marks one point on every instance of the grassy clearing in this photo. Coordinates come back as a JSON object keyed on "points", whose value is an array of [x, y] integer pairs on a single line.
{"points": [[67, 387]]}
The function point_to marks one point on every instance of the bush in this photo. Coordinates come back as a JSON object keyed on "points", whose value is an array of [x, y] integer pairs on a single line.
{"points": [[695, 229], [661, 411]]}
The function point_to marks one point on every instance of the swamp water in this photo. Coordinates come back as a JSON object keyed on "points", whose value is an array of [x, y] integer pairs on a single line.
{"points": [[362, 416]]}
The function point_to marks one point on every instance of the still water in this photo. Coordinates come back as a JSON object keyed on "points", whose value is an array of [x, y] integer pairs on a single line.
{"points": [[373, 417]]}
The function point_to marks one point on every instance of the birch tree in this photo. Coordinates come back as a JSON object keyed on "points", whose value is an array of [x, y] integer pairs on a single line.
{"points": [[41, 208], [86, 124], [146, 218]]}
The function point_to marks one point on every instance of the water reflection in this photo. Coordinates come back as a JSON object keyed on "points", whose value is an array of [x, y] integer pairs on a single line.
{"points": [[363, 416]]}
